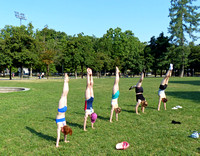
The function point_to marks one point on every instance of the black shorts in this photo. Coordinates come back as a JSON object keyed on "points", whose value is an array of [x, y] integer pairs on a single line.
{"points": [[140, 96]]}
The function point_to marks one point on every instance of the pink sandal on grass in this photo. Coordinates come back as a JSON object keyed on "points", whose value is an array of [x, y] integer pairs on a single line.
{"points": [[122, 146]]}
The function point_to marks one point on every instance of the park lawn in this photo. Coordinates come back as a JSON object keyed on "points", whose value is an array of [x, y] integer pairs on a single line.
{"points": [[27, 119]]}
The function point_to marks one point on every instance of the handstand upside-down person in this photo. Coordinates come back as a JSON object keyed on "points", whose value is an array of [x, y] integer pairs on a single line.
{"points": [[139, 95], [163, 86], [62, 108], [89, 98], [115, 95]]}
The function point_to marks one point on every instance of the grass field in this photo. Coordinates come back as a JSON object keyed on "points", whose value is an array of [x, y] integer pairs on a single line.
{"points": [[27, 119]]}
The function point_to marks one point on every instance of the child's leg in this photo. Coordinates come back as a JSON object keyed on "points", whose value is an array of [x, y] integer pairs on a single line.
{"points": [[91, 86], [85, 121], [166, 78], [142, 109], [116, 84], [139, 84], [159, 102], [111, 114], [65, 138], [137, 105], [116, 115], [87, 91], [165, 105], [92, 125]]}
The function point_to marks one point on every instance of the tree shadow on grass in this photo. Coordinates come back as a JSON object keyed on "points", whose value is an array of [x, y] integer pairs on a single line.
{"points": [[103, 118], [190, 95], [198, 149], [79, 113], [129, 105], [129, 111], [42, 135], [196, 82], [150, 107], [75, 125]]}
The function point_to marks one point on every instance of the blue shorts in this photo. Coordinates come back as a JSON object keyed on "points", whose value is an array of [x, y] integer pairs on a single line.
{"points": [[62, 120]]}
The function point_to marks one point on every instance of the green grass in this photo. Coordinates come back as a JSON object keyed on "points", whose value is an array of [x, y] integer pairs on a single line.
{"points": [[27, 119]]}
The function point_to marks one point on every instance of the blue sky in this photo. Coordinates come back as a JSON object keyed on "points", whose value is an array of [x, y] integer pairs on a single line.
{"points": [[145, 18]]}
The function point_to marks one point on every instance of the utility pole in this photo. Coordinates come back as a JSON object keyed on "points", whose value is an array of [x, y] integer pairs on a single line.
{"points": [[21, 16]]}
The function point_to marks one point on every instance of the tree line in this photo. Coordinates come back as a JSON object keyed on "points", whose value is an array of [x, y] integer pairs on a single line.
{"points": [[53, 51]]}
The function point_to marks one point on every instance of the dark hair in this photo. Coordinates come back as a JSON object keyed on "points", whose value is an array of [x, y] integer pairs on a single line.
{"points": [[118, 110], [164, 100], [144, 103], [66, 130]]}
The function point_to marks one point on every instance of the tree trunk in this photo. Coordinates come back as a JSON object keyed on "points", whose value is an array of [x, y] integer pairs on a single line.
{"points": [[161, 73], [62, 69], [182, 71], [47, 71], [97, 74], [76, 73], [3, 73], [82, 72], [104, 72], [144, 71], [193, 72], [31, 74], [10, 73], [155, 73], [22, 73]]}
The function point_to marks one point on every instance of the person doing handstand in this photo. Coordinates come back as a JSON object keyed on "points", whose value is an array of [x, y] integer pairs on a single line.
{"points": [[163, 86], [139, 94], [89, 98], [62, 108], [115, 95]]}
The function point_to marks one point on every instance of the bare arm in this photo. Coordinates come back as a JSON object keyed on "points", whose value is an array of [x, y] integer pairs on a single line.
{"points": [[58, 136]]}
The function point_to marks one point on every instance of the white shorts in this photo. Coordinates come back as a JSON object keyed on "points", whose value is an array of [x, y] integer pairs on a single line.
{"points": [[114, 103], [89, 111], [161, 93]]}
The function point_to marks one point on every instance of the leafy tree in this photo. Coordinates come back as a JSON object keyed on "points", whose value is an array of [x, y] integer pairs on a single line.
{"points": [[154, 54], [132, 58], [20, 45], [60, 56], [175, 55], [5, 54], [194, 58], [104, 47], [86, 51], [159, 51], [123, 50], [79, 53], [162, 45], [47, 46], [148, 60], [184, 19]]}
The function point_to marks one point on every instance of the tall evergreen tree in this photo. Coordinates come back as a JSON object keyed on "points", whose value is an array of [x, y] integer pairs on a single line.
{"points": [[184, 20]]}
